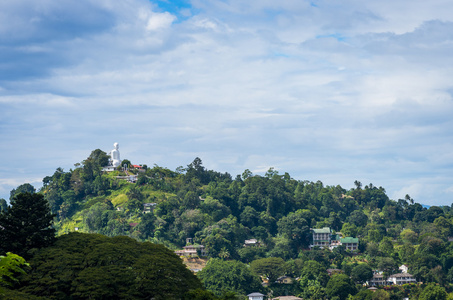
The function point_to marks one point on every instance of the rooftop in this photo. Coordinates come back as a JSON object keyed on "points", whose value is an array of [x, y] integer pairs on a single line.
{"points": [[255, 295], [401, 275], [322, 230], [349, 240]]}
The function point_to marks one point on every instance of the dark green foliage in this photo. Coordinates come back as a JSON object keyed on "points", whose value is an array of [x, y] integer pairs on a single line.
{"points": [[3, 204], [361, 273], [358, 218], [340, 286], [27, 224], [295, 228], [270, 268], [363, 295], [90, 266], [433, 292], [248, 254], [313, 270], [11, 266], [23, 188], [99, 158], [146, 226], [222, 276], [199, 294], [7, 294]]}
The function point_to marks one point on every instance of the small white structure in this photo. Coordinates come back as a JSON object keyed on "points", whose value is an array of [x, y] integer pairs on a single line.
{"points": [[378, 279], [251, 242], [404, 269], [255, 296]]}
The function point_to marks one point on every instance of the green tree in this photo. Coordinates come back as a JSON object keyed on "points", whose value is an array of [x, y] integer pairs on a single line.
{"points": [[380, 295], [409, 236], [358, 218], [313, 279], [362, 295], [246, 174], [388, 265], [361, 273], [125, 162], [270, 268], [11, 266], [248, 254], [295, 228], [199, 294], [340, 286], [27, 224], [3, 204], [92, 266], [221, 276], [349, 229], [146, 226], [135, 199], [433, 292], [444, 227], [406, 252], [23, 188], [386, 246], [99, 157]]}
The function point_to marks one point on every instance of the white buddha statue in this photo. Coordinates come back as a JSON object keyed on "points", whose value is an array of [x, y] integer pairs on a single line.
{"points": [[115, 156]]}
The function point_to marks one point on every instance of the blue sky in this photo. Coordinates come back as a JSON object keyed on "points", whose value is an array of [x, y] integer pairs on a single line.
{"points": [[335, 91]]}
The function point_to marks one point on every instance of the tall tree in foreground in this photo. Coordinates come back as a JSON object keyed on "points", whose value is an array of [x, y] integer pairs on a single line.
{"points": [[26, 224], [93, 266]]}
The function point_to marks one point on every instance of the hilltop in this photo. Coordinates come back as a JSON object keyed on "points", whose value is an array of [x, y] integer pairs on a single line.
{"points": [[220, 212]]}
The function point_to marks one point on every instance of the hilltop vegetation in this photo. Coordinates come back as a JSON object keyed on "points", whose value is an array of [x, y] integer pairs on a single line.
{"points": [[221, 212]]}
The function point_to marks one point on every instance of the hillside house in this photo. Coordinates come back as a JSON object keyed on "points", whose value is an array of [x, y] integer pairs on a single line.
{"points": [[148, 207], [350, 243], [138, 168], [378, 279], [395, 279], [323, 238], [191, 251], [401, 278]]}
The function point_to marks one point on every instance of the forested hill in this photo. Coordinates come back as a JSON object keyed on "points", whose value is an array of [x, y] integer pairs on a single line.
{"points": [[221, 212]]}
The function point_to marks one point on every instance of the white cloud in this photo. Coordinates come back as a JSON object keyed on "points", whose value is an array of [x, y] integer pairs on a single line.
{"points": [[159, 21], [322, 90]]}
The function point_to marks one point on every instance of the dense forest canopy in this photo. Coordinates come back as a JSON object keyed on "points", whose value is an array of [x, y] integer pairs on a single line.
{"points": [[221, 212]]}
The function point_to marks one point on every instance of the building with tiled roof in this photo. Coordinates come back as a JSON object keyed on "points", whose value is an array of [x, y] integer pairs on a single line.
{"points": [[350, 243], [401, 278], [323, 238]]}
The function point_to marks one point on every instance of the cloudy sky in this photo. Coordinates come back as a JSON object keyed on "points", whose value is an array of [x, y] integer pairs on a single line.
{"points": [[335, 91]]}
